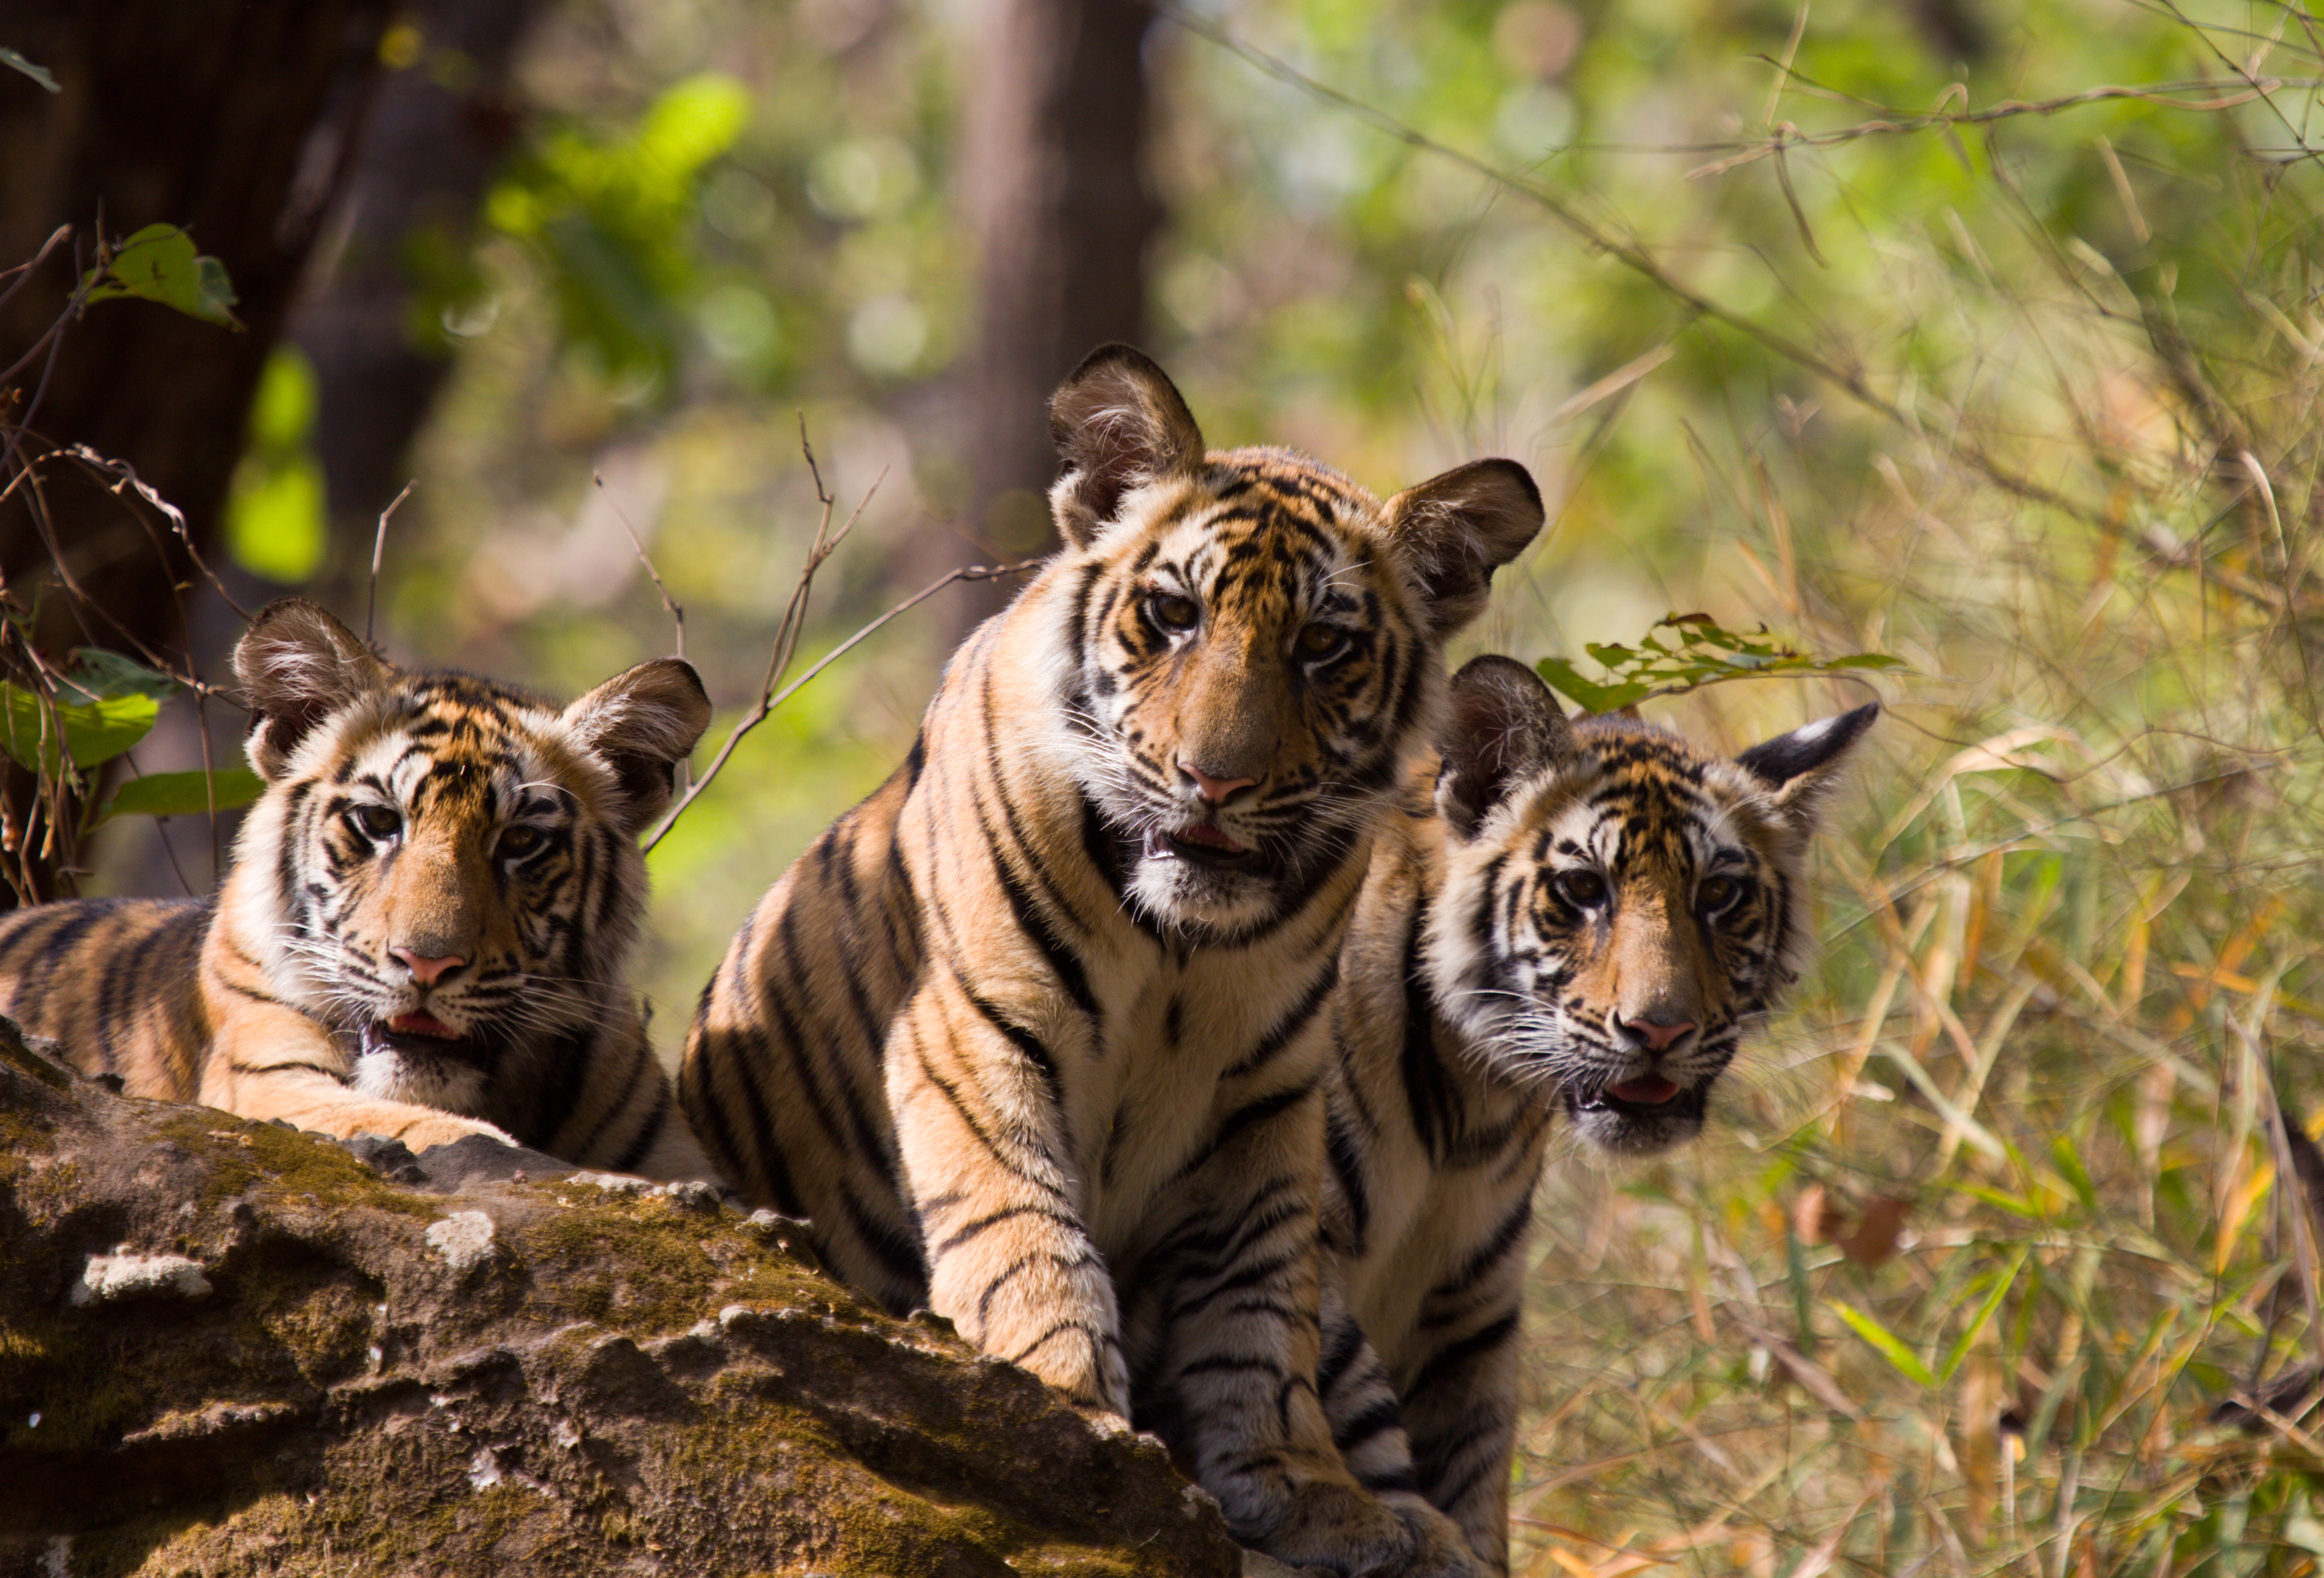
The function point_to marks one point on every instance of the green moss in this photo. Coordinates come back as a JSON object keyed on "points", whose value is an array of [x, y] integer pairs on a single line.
{"points": [[324, 1325], [85, 1396], [265, 1159]]}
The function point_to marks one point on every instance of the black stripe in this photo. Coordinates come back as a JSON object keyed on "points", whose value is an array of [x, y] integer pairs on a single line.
{"points": [[1454, 1355]]}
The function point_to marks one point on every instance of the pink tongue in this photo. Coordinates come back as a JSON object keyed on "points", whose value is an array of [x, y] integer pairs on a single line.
{"points": [[419, 1024], [1211, 837], [1649, 1091]]}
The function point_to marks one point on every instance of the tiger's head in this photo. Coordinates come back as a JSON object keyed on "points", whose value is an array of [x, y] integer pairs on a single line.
{"points": [[450, 869], [1617, 905], [1252, 642]]}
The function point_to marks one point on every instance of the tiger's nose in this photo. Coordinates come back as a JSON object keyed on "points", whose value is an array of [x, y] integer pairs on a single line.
{"points": [[1656, 1034], [423, 969], [1213, 789]]}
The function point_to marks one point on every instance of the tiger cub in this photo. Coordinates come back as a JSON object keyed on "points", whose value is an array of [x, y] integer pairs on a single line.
{"points": [[1584, 921], [1035, 1035], [427, 924]]}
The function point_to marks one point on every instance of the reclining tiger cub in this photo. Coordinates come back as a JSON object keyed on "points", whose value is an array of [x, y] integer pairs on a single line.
{"points": [[427, 930], [1585, 920], [1036, 1035]]}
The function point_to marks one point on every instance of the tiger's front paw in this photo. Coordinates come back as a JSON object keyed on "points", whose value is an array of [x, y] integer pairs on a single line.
{"points": [[1440, 1550], [436, 1129], [1344, 1528], [1347, 1529]]}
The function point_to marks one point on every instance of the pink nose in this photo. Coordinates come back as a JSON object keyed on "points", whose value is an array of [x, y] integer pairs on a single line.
{"points": [[423, 970], [1214, 789], [1660, 1037]]}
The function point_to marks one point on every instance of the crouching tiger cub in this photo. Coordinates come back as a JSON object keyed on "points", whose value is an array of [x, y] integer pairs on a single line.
{"points": [[428, 921], [1586, 920], [1034, 1035]]}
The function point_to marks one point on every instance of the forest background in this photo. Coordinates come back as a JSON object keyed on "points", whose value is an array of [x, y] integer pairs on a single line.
{"points": [[1985, 337]]}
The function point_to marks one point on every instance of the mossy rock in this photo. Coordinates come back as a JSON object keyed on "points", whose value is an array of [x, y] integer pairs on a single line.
{"points": [[228, 1348]]}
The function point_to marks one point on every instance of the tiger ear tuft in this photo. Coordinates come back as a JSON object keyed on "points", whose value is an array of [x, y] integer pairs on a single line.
{"points": [[1505, 726], [1455, 531], [1118, 423], [643, 723], [1802, 766], [297, 665]]}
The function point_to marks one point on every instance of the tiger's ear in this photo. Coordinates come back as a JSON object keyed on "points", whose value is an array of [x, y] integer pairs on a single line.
{"points": [[643, 722], [1802, 766], [1455, 531], [297, 665], [1119, 422], [1504, 727]]}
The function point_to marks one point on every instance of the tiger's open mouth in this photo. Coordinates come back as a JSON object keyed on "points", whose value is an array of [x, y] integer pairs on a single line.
{"points": [[416, 1034], [1205, 844], [1646, 1097]]}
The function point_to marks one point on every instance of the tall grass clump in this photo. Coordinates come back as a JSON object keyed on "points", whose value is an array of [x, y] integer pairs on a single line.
{"points": [[1996, 1258]]}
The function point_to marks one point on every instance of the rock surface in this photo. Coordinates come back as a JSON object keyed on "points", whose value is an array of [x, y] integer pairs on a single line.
{"points": [[228, 1348]]}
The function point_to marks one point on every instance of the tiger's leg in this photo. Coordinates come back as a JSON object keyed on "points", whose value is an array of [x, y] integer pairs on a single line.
{"points": [[1243, 1315], [986, 1163], [1460, 1407], [1361, 1403]]}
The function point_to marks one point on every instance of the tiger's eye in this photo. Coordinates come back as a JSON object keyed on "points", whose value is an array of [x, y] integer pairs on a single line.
{"points": [[375, 821], [1717, 893], [1171, 613], [1316, 642], [1582, 889], [522, 840]]}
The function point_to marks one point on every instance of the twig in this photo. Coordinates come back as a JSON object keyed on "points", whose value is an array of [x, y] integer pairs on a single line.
{"points": [[771, 699], [24, 271], [787, 633], [126, 476], [378, 549], [677, 613]]}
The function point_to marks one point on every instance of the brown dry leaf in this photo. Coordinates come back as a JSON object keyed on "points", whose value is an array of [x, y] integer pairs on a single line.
{"points": [[1874, 1241], [1816, 1217]]}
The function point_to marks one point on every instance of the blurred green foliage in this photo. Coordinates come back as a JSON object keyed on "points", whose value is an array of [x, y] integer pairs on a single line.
{"points": [[275, 524], [613, 218]]}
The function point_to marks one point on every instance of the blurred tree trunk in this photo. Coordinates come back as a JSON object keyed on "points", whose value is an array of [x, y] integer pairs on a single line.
{"points": [[1055, 178], [236, 121], [430, 149]]}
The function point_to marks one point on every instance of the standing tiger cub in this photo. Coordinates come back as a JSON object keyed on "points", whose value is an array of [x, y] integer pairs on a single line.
{"points": [[1035, 1035], [1585, 920], [427, 929]]}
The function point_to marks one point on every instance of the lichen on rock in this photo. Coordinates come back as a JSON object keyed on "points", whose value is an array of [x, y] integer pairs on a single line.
{"points": [[235, 1349]]}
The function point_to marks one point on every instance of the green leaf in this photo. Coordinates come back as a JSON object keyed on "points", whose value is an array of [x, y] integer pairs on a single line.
{"points": [[1886, 1342], [99, 675], [94, 732], [40, 74], [1704, 653], [2001, 1286], [185, 794], [159, 263], [1590, 696]]}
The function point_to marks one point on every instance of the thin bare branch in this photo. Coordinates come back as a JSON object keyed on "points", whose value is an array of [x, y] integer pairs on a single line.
{"points": [[378, 550], [771, 699]]}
